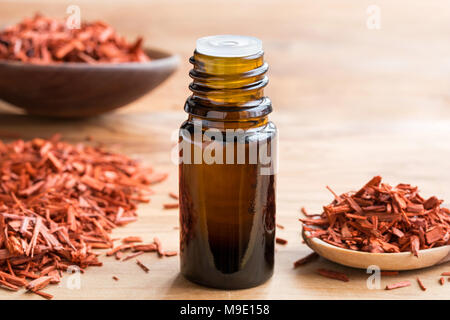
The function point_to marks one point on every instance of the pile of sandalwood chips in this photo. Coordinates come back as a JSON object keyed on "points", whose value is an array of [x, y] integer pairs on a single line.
{"points": [[43, 40], [59, 201], [379, 218]]}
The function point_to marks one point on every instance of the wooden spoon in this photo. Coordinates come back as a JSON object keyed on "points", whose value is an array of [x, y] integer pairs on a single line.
{"points": [[385, 261]]}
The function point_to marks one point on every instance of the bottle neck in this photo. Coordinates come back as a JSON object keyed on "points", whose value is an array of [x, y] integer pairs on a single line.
{"points": [[228, 81], [229, 89]]}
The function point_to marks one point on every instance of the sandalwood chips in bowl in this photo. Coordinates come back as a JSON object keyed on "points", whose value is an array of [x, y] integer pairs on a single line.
{"points": [[50, 70]]}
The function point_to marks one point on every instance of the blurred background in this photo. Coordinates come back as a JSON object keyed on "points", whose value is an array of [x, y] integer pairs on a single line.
{"points": [[350, 100], [321, 53]]}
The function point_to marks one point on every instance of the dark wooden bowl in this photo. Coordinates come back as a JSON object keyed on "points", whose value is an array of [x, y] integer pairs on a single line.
{"points": [[78, 90]]}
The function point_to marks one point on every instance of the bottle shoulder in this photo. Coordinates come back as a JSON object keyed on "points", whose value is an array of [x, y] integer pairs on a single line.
{"points": [[262, 132], [190, 123], [204, 109]]}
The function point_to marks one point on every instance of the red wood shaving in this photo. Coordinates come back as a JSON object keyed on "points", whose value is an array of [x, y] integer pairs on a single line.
{"points": [[158, 244], [43, 40], [279, 226], [445, 274], [6, 285], [133, 255], [310, 257], [306, 213], [43, 294], [333, 275], [379, 218], [171, 205], [55, 209], [173, 195], [39, 283], [170, 253], [131, 239], [143, 267], [140, 248], [119, 248], [421, 285], [442, 281], [281, 241], [151, 247], [397, 285], [115, 278]]}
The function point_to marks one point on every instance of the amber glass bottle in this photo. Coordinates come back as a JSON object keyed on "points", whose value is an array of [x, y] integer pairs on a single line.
{"points": [[227, 168]]}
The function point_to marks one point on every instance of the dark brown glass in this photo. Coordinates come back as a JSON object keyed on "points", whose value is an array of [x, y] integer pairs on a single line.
{"points": [[227, 210]]}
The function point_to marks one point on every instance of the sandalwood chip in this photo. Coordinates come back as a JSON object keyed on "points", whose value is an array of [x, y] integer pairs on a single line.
{"points": [[47, 296], [171, 205], [131, 239], [158, 244], [310, 257], [281, 241], [20, 282], [6, 285], [43, 40], [333, 275], [173, 195], [59, 201], [306, 213], [397, 285], [421, 285], [170, 253], [131, 256], [118, 255], [145, 247], [39, 283], [380, 218], [119, 248], [143, 267]]}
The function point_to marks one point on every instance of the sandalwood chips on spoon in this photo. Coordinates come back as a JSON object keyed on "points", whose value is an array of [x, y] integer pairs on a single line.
{"points": [[380, 218]]}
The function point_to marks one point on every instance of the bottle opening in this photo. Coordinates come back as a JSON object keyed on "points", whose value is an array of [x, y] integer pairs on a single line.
{"points": [[229, 46]]}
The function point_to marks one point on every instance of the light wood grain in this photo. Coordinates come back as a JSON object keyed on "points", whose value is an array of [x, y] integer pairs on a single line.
{"points": [[350, 103]]}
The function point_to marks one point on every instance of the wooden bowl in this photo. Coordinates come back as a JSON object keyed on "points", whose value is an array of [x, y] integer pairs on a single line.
{"points": [[385, 261], [78, 90]]}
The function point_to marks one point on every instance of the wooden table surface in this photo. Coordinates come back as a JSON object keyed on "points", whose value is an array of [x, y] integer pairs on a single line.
{"points": [[349, 103]]}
